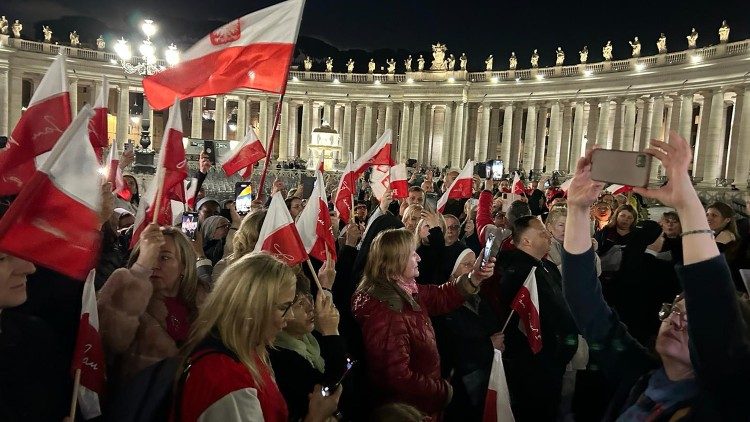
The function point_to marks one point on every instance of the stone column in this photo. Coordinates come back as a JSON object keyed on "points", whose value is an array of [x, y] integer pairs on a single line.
{"points": [[552, 161], [714, 152], [628, 135], [685, 125], [702, 142], [196, 119], [265, 120], [657, 120], [458, 145], [359, 119], [602, 130], [328, 113], [515, 140], [734, 134], [742, 169], [283, 132], [507, 139], [529, 141], [567, 124], [494, 136], [593, 122], [368, 133], [316, 117], [648, 115], [306, 134], [347, 138], [94, 88], [445, 153], [380, 120], [424, 140], [294, 138], [617, 130], [482, 144], [74, 97], [242, 117], [337, 123], [403, 133], [541, 136], [4, 102], [123, 115], [674, 117], [14, 92], [576, 140], [219, 122], [389, 116]]}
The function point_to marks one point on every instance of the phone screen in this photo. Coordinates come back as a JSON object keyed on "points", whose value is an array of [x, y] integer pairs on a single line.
{"points": [[487, 252], [243, 197], [497, 169], [189, 224], [330, 389], [430, 202], [210, 148], [128, 146]]}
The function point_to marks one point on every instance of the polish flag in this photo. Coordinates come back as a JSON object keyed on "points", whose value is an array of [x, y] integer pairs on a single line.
{"points": [[247, 153], [54, 221], [461, 187], [88, 355], [321, 164], [278, 235], [119, 187], [345, 192], [618, 189], [98, 124], [517, 188], [254, 52], [168, 180], [399, 183], [314, 223], [40, 126], [497, 404], [378, 154], [380, 180], [526, 303], [191, 192]]}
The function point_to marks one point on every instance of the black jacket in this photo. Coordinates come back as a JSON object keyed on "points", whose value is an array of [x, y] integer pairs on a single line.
{"points": [[432, 257]]}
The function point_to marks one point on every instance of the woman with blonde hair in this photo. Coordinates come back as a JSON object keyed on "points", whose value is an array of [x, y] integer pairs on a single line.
{"points": [[228, 376], [243, 242], [146, 309], [394, 312], [411, 217]]}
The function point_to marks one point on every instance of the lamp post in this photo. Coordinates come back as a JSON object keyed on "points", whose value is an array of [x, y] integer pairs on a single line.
{"points": [[145, 64]]}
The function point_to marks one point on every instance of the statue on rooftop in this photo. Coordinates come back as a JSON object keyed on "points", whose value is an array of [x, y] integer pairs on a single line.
{"points": [[584, 54], [661, 44], [407, 63], [3, 25], [463, 61], [329, 64], [451, 63], [692, 39], [488, 63], [391, 66], [535, 59], [308, 63], [47, 34], [513, 61], [636, 46], [724, 32], [607, 51], [350, 66], [420, 63], [74, 40], [560, 59], [17, 28], [371, 66], [438, 56], [100, 44]]}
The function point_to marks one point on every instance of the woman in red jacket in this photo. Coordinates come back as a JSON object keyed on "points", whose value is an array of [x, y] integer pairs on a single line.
{"points": [[394, 312]]}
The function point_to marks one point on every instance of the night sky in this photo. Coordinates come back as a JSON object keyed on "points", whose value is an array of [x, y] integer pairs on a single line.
{"points": [[478, 27]]}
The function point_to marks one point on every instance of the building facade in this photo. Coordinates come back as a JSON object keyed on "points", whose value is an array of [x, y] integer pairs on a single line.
{"points": [[537, 119]]}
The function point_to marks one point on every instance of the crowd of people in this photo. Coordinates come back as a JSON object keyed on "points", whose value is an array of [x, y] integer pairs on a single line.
{"points": [[403, 324]]}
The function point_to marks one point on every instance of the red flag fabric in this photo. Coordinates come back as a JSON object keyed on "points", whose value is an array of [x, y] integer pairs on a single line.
{"points": [[518, 188], [40, 126], [254, 51], [278, 235], [114, 175], [526, 303], [321, 165], [378, 154], [247, 153], [344, 193], [98, 124], [54, 221], [170, 174], [461, 187], [191, 191], [399, 181], [497, 404], [88, 355], [618, 189], [314, 223]]}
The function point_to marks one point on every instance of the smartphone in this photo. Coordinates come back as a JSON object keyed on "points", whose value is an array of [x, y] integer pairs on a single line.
{"points": [[430, 202], [243, 197], [495, 168], [308, 183], [487, 252], [128, 145], [330, 389], [210, 148], [629, 168], [189, 224], [480, 169]]}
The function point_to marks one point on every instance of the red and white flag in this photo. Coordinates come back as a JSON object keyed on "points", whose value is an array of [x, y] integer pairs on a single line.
{"points": [[98, 124], [518, 188], [321, 164], [380, 180], [168, 180], [114, 175], [314, 223], [399, 181], [191, 192], [526, 303], [378, 154], [88, 355], [254, 52], [40, 126], [618, 189], [497, 403], [278, 235], [248, 152], [345, 192], [462, 186], [54, 221]]}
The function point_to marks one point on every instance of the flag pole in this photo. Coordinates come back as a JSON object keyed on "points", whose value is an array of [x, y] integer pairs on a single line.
{"points": [[159, 189], [506, 322], [74, 400], [351, 181], [315, 276]]}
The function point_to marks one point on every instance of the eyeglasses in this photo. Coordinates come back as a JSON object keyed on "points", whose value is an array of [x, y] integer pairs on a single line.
{"points": [[223, 226], [304, 300], [285, 308], [668, 309], [454, 227]]}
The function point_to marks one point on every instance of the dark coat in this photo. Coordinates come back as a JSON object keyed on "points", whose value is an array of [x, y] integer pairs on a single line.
{"points": [[432, 257]]}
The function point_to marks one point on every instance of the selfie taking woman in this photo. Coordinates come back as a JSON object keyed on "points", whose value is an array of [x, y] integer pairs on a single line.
{"points": [[394, 312], [228, 374], [703, 338]]}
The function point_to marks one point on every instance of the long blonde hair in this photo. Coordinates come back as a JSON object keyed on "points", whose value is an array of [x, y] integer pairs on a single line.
{"points": [[240, 307], [389, 254], [188, 289], [247, 235]]}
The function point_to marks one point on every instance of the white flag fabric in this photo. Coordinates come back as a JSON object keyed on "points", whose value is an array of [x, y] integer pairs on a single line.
{"points": [[497, 404]]}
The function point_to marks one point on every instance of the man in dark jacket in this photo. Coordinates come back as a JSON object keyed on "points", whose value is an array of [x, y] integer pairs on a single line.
{"points": [[535, 380]]}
